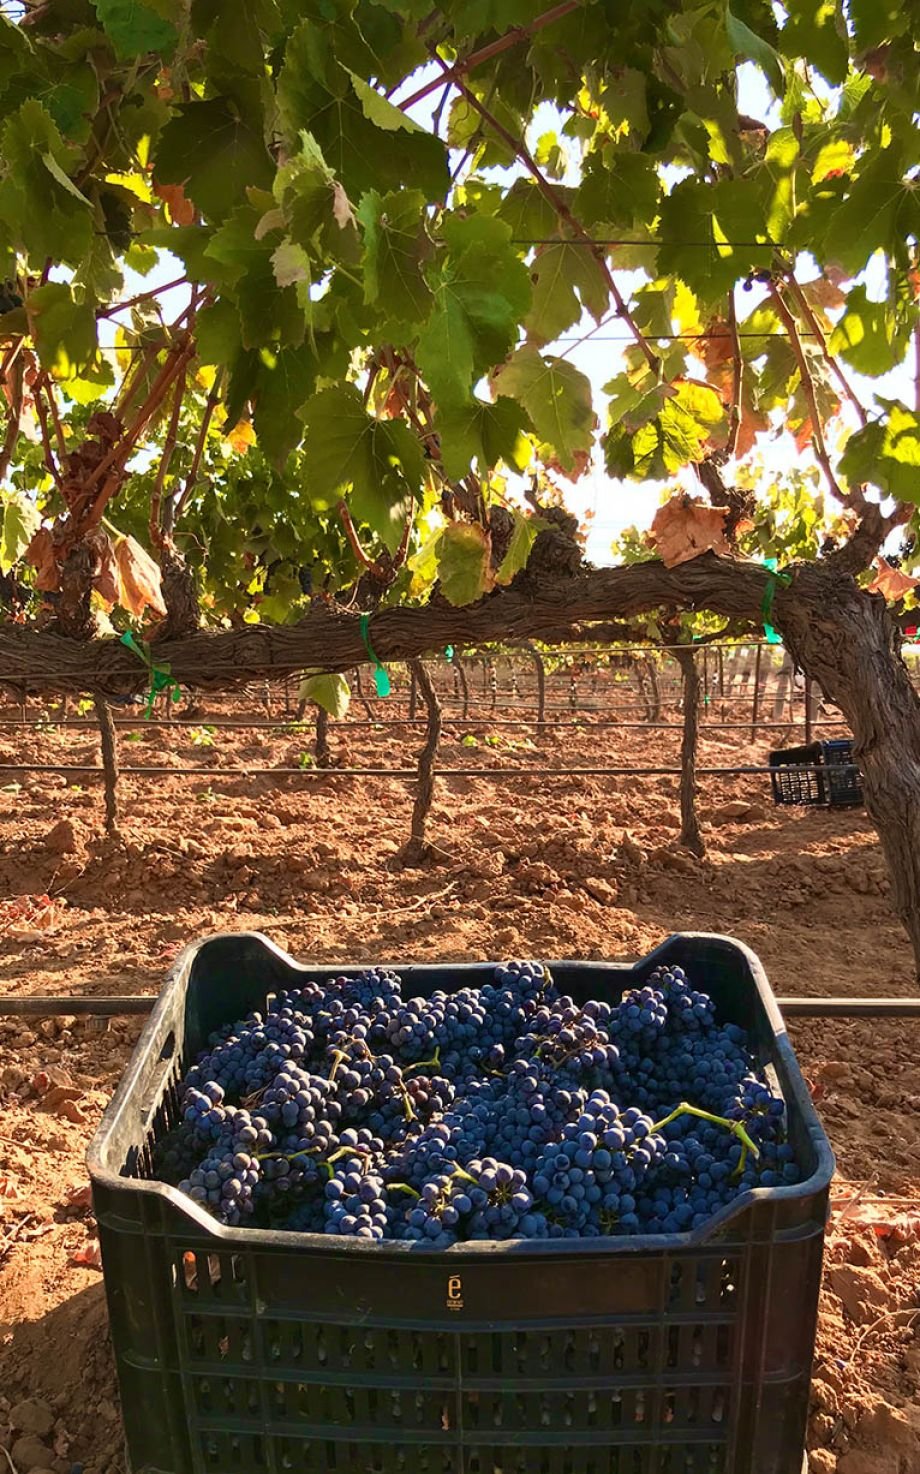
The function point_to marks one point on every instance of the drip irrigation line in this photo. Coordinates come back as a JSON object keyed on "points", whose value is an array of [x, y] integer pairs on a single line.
{"points": [[32, 1006], [411, 774]]}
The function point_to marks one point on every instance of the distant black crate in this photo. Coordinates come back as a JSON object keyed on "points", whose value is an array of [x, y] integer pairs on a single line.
{"points": [[244, 1350], [821, 774]]}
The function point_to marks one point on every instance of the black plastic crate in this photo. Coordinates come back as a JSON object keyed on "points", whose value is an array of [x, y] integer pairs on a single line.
{"points": [[245, 1350], [820, 774]]}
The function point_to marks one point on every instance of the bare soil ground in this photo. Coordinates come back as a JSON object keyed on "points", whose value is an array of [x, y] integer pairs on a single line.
{"points": [[555, 867]]}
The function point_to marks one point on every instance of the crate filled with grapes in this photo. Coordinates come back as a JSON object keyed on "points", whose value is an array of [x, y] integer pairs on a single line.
{"points": [[519, 1218]]}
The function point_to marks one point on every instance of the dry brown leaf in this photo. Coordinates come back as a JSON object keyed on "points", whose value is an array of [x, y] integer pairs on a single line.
{"points": [[891, 582], [40, 553], [717, 345], [887, 1220], [139, 582], [686, 527], [341, 206], [805, 434], [752, 423], [80, 1196], [181, 209], [582, 462], [88, 1254], [28, 917], [823, 293]]}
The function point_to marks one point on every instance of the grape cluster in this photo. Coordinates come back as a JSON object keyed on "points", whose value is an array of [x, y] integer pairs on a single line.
{"points": [[504, 1111]]}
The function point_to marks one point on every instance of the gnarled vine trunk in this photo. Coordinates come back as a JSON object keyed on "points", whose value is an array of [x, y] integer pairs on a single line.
{"points": [[690, 834], [846, 641]]}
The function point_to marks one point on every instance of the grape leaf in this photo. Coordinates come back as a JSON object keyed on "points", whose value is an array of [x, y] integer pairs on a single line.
{"points": [[881, 208], [367, 142], [483, 433], [19, 522], [215, 154], [396, 244], [139, 580], [816, 30], [557, 271], [284, 383], [877, 21], [64, 329], [617, 188], [886, 453], [480, 295], [747, 44], [375, 465], [463, 551], [869, 336], [135, 28], [331, 692], [527, 212], [217, 332], [711, 234], [50, 219], [890, 581], [557, 397], [524, 534], [659, 432]]}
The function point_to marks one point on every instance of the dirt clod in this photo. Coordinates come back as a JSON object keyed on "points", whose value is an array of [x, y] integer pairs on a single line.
{"points": [[32, 1416], [62, 839]]}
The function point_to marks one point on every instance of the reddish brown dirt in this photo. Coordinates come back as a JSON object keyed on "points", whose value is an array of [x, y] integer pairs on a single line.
{"points": [[564, 867]]}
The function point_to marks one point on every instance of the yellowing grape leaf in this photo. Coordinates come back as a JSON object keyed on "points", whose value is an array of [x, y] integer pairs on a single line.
{"points": [[331, 692], [463, 552], [891, 582], [139, 585], [685, 527], [241, 437]]}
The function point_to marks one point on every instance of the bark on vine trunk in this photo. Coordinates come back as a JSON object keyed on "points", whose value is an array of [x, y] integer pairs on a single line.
{"points": [[461, 683], [321, 750], [74, 614], [416, 850], [540, 674], [183, 613], [690, 836], [109, 750], [655, 702]]}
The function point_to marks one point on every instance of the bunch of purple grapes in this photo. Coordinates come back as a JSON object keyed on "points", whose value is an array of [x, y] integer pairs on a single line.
{"points": [[503, 1111]]}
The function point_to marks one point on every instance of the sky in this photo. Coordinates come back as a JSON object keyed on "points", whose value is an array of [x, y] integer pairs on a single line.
{"points": [[614, 505]]}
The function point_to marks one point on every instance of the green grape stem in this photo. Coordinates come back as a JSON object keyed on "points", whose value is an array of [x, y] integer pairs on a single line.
{"points": [[423, 1064], [735, 1127]]}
